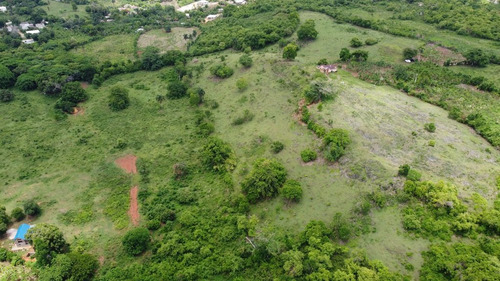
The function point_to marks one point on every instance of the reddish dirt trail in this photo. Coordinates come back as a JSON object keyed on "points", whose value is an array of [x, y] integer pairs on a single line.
{"points": [[133, 212], [127, 163]]}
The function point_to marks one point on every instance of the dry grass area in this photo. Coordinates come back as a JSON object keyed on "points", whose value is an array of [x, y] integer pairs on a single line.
{"points": [[167, 41]]}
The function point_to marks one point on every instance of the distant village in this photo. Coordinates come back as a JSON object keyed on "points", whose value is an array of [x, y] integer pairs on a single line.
{"points": [[28, 30]]}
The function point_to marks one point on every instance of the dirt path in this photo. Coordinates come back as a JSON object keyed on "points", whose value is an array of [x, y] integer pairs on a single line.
{"points": [[133, 212], [127, 163]]}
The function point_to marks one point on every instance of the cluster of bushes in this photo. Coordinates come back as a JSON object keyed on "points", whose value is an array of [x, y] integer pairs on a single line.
{"points": [[30, 208], [221, 71], [218, 155], [118, 98], [307, 31], [246, 117], [358, 55], [264, 181]]}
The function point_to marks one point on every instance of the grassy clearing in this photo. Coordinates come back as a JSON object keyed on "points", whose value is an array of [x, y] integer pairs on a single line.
{"points": [[166, 41], [337, 36], [113, 48], [64, 10], [490, 72], [390, 245]]}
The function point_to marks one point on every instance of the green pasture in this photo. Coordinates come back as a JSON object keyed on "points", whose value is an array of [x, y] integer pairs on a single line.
{"points": [[113, 48], [64, 10]]}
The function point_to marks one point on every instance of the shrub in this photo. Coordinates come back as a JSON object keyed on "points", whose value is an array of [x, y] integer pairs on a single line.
{"points": [[277, 147], [72, 93], [322, 62], [308, 155], [153, 224], [335, 143], [307, 31], [359, 55], [355, 42], [136, 241], [409, 53], [118, 99], [371, 41], [31, 208], [432, 143], [221, 71], [247, 117], [430, 127], [341, 227], [196, 96], [7, 78], [345, 54], [403, 170], [18, 214], [26, 82], [242, 84], [6, 96], [176, 90], [246, 60], [292, 191], [180, 170], [413, 175], [264, 181], [217, 155], [290, 51]]}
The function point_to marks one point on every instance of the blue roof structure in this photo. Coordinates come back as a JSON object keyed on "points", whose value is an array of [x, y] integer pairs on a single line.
{"points": [[21, 231]]}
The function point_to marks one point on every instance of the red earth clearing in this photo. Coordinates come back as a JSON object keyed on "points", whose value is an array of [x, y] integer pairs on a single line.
{"points": [[133, 212], [127, 163]]}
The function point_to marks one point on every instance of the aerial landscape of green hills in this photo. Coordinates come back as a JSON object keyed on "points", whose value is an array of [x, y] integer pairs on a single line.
{"points": [[249, 140]]}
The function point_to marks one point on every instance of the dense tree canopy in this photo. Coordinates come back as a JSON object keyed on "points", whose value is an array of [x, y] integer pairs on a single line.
{"points": [[136, 241], [307, 31], [265, 180], [48, 241]]}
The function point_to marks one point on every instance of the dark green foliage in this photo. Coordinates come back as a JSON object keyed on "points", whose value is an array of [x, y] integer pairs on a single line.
{"points": [[317, 91], [307, 31], [153, 225], [335, 143], [322, 62], [371, 41], [31, 208], [345, 54], [403, 170], [221, 71], [48, 241], [151, 59], [430, 127], [264, 180], [7, 78], [409, 53], [17, 214], [72, 93], [246, 60], [218, 155], [246, 117], [5, 255], [308, 155], [356, 43], [118, 98], [26, 82], [4, 220], [176, 90], [477, 57], [341, 227], [359, 55], [292, 191], [136, 241], [290, 51], [6, 96], [72, 266], [277, 147]]}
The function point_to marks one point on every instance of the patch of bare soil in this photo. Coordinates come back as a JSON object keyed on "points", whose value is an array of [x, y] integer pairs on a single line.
{"points": [[133, 211], [127, 163], [84, 85], [298, 114], [78, 111]]}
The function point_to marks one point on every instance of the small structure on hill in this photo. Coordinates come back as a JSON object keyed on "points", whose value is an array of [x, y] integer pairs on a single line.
{"points": [[211, 17], [240, 2], [33, 32], [327, 68], [3, 9], [28, 41], [20, 238]]}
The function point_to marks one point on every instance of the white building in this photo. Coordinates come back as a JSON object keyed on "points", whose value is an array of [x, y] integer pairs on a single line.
{"points": [[3, 9], [239, 2], [25, 25], [196, 5], [211, 17], [32, 32], [28, 41]]}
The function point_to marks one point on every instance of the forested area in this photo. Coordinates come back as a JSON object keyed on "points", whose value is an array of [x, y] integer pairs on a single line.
{"points": [[200, 215]]}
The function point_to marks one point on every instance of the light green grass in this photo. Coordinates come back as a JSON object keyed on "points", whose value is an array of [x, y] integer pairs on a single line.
{"points": [[166, 41], [333, 37], [64, 10], [490, 72], [113, 48]]}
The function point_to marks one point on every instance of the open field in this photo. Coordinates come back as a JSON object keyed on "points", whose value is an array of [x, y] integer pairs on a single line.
{"points": [[113, 48], [337, 36], [166, 41], [64, 10]]}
